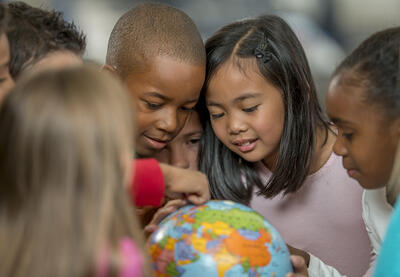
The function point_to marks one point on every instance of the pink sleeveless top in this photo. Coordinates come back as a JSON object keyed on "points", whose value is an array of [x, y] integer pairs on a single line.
{"points": [[323, 218]]}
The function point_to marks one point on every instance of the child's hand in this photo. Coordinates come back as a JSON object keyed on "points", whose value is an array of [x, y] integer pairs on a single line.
{"points": [[192, 184], [299, 266], [298, 252], [170, 207]]}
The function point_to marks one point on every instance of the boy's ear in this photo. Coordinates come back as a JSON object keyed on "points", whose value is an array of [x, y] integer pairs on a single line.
{"points": [[110, 69]]}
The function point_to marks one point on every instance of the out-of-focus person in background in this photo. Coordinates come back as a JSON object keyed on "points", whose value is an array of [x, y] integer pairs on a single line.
{"points": [[388, 264], [44, 37]]}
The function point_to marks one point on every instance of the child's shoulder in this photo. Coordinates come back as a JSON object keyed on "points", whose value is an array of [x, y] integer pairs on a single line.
{"points": [[332, 171]]}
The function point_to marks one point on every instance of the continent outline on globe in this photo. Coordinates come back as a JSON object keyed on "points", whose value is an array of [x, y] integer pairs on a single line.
{"points": [[219, 238]]}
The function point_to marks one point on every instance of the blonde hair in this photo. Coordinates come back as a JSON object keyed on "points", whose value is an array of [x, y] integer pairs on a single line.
{"points": [[62, 201], [393, 187]]}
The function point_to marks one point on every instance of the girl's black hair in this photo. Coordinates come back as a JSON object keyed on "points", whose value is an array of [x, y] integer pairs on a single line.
{"points": [[282, 61], [375, 65]]}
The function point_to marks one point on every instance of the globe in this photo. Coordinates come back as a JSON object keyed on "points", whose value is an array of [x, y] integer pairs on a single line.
{"points": [[219, 238]]}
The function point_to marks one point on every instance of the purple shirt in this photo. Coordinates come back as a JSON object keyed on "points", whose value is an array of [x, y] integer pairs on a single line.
{"points": [[323, 218]]}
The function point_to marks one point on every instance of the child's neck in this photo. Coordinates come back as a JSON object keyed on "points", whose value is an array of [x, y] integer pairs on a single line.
{"points": [[324, 141], [322, 151]]}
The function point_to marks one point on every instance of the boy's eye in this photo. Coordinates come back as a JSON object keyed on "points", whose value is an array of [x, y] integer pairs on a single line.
{"points": [[251, 109], [216, 115], [152, 106]]}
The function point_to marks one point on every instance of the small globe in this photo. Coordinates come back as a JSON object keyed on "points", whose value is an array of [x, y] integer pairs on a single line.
{"points": [[219, 238]]}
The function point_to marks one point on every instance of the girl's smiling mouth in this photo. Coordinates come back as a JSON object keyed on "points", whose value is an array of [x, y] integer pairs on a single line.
{"points": [[245, 145]]}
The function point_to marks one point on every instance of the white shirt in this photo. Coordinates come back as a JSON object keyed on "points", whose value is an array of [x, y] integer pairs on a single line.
{"points": [[376, 215]]}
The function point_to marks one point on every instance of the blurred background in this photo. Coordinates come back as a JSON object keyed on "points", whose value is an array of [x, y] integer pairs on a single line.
{"points": [[328, 29]]}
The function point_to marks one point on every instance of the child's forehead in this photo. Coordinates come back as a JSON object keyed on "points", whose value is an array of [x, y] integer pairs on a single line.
{"points": [[244, 67], [348, 100], [348, 85], [167, 68], [171, 78]]}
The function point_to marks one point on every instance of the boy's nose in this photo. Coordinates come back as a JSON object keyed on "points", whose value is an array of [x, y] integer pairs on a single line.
{"points": [[168, 122]]}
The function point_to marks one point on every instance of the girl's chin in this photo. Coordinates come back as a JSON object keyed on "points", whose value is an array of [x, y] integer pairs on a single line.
{"points": [[251, 157]]}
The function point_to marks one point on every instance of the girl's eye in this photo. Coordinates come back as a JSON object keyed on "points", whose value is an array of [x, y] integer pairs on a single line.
{"points": [[347, 136], [194, 141], [216, 116], [251, 109]]}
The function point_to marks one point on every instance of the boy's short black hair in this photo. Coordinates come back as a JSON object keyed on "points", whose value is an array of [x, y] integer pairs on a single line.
{"points": [[34, 32], [151, 30]]}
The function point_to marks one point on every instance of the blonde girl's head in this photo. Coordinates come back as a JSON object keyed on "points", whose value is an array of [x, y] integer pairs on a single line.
{"points": [[65, 137]]}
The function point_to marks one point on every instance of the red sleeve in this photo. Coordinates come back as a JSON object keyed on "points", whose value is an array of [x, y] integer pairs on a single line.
{"points": [[147, 188]]}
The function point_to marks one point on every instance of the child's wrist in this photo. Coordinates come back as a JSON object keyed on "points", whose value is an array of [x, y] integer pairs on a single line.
{"points": [[167, 172]]}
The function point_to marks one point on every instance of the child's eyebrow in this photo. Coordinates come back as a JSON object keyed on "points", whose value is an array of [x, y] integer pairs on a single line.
{"points": [[196, 132], [214, 104], [165, 98], [339, 121], [245, 96], [242, 97], [156, 94], [192, 101]]}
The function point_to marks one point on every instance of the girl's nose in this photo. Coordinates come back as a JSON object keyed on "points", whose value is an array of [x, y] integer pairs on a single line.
{"points": [[339, 147], [236, 126]]}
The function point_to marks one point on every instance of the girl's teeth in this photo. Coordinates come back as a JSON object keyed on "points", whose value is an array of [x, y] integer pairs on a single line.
{"points": [[246, 143]]}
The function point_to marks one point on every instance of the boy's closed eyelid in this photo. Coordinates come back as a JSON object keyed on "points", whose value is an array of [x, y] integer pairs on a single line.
{"points": [[152, 105]]}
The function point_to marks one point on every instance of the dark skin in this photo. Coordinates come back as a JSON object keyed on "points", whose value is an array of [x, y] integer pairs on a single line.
{"points": [[362, 125], [164, 94]]}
